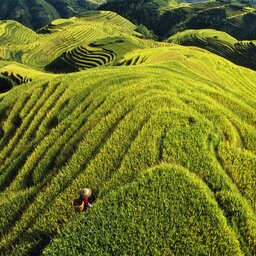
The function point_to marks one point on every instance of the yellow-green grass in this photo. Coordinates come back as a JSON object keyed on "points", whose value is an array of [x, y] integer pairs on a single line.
{"points": [[199, 6], [188, 109], [148, 216], [240, 52], [12, 32], [22, 74], [81, 58], [65, 35], [203, 34], [98, 2]]}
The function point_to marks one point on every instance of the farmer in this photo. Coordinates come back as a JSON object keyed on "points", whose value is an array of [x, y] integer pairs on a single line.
{"points": [[84, 194]]}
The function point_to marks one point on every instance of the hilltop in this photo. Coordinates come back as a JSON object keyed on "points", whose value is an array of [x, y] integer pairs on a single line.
{"points": [[163, 134]]}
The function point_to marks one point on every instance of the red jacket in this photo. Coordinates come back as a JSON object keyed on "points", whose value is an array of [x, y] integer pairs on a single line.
{"points": [[86, 201]]}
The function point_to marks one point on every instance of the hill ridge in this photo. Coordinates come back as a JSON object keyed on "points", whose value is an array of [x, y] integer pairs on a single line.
{"points": [[182, 115]]}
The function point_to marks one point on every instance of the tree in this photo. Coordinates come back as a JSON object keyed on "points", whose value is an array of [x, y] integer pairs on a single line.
{"points": [[148, 34]]}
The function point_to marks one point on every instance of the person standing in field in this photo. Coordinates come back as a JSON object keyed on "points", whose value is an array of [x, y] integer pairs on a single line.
{"points": [[84, 195]]}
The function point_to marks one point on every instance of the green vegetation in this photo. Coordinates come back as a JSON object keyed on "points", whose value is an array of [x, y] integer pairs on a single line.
{"points": [[107, 40], [69, 45], [149, 34], [165, 194], [104, 128], [37, 13], [163, 134], [166, 18], [240, 52]]}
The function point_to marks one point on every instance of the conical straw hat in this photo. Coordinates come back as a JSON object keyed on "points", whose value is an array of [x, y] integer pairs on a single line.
{"points": [[85, 192]]}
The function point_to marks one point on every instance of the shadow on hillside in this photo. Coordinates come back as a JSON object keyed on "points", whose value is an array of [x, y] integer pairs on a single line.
{"points": [[42, 240], [6, 84]]}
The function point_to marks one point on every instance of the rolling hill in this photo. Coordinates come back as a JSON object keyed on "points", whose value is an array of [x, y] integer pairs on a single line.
{"points": [[88, 40], [66, 45], [164, 134]]}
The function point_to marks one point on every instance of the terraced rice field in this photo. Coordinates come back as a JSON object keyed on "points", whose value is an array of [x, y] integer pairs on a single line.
{"points": [[21, 74], [240, 52], [12, 32], [80, 58], [64, 37], [168, 147]]}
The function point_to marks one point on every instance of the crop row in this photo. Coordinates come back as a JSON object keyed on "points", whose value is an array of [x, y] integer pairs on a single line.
{"points": [[108, 16], [102, 129], [13, 32], [239, 52], [165, 202], [23, 45], [80, 58]]}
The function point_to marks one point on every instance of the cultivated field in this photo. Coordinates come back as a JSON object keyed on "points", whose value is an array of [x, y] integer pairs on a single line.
{"points": [[240, 52], [104, 128], [23, 45], [165, 135]]}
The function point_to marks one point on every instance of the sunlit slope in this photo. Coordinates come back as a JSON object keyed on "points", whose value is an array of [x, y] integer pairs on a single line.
{"points": [[104, 128], [16, 40], [21, 74], [65, 37], [240, 52], [163, 212]]}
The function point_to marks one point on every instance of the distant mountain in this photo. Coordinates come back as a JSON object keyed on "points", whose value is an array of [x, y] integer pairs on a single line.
{"points": [[166, 18], [37, 13]]}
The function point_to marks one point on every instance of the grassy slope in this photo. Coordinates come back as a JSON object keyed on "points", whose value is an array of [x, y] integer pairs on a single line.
{"points": [[104, 128], [166, 211], [240, 52]]}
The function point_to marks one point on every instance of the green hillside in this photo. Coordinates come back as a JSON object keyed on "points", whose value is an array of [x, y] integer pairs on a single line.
{"points": [[37, 13], [161, 194], [163, 134], [69, 40], [240, 52], [89, 40], [167, 145], [166, 18]]}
